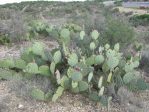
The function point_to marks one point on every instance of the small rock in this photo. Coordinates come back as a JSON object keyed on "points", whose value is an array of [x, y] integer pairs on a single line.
{"points": [[20, 106]]}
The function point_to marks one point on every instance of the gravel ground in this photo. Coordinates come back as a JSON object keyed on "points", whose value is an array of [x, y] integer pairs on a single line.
{"points": [[10, 102]]}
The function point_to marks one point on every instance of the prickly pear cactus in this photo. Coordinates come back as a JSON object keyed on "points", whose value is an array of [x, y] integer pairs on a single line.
{"points": [[88, 69]]}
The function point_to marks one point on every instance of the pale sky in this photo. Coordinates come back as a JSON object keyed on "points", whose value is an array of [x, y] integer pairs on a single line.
{"points": [[13, 1]]}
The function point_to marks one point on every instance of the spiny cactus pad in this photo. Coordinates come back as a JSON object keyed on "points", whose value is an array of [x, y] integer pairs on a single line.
{"points": [[76, 76], [73, 59], [95, 34], [38, 48], [32, 68], [44, 70]]}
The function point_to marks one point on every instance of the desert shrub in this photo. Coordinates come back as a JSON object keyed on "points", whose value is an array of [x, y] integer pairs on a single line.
{"points": [[144, 63], [118, 31], [5, 14], [14, 27], [17, 27], [4, 39], [140, 20], [146, 36], [93, 72]]}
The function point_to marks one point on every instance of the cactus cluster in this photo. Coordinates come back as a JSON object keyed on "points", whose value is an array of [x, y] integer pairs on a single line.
{"points": [[73, 27], [89, 72], [38, 27]]}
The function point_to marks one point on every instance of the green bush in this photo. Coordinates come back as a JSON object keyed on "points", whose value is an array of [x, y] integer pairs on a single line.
{"points": [[14, 27], [118, 31], [4, 39], [140, 20], [90, 72]]}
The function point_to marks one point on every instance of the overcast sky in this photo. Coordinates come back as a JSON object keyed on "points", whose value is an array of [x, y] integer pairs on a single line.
{"points": [[13, 1]]}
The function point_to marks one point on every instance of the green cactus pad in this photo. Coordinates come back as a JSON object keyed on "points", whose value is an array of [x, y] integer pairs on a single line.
{"points": [[20, 64], [32, 68], [92, 46], [44, 70], [90, 76], [74, 84], [27, 56], [75, 90], [105, 68], [65, 35], [117, 47], [58, 93], [107, 46], [73, 59], [65, 82], [82, 34], [112, 62], [39, 61], [7, 63], [57, 57], [99, 59], [38, 48], [83, 86], [90, 60], [52, 67], [76, 76], [95, 34]]}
